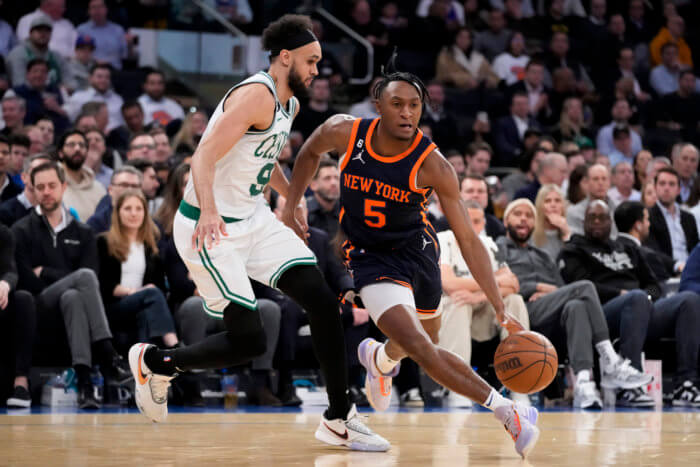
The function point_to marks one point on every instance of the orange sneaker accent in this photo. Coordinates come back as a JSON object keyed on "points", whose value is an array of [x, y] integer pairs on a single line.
{"points": [[142, 378]]}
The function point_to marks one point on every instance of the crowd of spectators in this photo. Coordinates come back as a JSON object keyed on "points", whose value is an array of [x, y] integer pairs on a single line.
{"points": [[573, 127]]}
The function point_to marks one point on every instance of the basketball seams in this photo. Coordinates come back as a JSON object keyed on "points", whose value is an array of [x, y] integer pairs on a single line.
{"points": [[538, 345]]}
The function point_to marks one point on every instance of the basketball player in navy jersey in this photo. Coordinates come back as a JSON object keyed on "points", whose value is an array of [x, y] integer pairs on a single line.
{"points": [[388, 172]]}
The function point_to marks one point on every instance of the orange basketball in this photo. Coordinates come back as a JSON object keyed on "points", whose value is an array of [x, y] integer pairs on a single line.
{"points": [[525, 362]]}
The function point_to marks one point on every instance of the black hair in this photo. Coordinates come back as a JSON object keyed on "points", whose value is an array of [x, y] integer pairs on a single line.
{"points": [[277, 34], [68, 134], [4, 139], [390, 74], [131, 103], [37, 61], [18, 139], [140, 164], [105, 66], [627, 214]]}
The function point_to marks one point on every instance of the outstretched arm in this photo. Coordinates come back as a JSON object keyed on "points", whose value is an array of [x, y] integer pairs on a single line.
{"points": [[332, 135], [436, 172]]}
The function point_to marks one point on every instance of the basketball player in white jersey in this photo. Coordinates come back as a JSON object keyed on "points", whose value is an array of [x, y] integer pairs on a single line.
{"points": [[226, 233]]}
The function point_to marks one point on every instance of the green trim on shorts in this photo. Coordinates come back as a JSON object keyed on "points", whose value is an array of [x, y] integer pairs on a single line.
{"points": [[213, 313], [223, 288], [193, 212], [309, 261]]}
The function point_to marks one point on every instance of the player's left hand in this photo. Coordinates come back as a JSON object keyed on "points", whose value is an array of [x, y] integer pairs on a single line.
{"points": [[289, 218]]}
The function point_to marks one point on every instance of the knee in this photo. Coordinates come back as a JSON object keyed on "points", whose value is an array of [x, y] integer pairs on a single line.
{"points": [[86, 275], [68, 298], [690, 303], [638, 301], [270, 310], [153, 295], [586, 289], [24, 300]]}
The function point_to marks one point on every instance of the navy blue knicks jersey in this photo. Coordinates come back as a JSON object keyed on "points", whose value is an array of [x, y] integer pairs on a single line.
{"points": [[381, 206]]}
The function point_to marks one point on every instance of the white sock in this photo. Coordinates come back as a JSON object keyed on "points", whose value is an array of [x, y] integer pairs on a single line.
{"points": [[495, 400], [583, 375], [608, 354], [384, 363]]}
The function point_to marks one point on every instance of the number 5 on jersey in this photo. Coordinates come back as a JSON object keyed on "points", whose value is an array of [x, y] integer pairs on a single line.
{"points": [[373, 217]]}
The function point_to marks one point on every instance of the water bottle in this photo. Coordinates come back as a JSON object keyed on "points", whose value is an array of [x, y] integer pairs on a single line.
{"points": [[67, 380], [229, 386]]}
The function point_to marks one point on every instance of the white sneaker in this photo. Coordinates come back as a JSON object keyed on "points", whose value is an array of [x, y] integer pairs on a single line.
{"points": [[151, 389], [586, 396], [520, 399], [520, 423], [351, 432], [623, 376]]}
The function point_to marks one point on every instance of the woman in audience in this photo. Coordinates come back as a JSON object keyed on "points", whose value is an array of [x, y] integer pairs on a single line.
{"points": [[187, 139], [460, 65], [578, 184], [649, 194], [510, 65], [641, 161], [572, 125], [132, 278], [551, 229]]}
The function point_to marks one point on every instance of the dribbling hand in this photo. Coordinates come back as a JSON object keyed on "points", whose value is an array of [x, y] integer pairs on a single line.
{"points": [[511, 324], [210, 227]]}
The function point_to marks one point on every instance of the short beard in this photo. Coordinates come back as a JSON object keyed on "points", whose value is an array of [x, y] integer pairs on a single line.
{"points": [[296, 84], [46, 209], [326, 197], [513, 234], [72, 163]]}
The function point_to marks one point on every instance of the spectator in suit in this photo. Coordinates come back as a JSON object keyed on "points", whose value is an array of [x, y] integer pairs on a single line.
{"points": [[632, 221], [16, 208], [537, 93], [510, 130], [673, 231], [132, 278], [437, 116], [57, 262], [685, 162], [17, 321], [474, 187], [570, 315], [631, 297]]}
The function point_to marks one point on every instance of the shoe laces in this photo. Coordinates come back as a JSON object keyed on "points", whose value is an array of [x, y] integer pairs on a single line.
{"points": [[159, 387], [626, 370], [357, 423]]}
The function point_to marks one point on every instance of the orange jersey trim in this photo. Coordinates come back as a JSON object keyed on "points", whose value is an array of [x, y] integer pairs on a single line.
{"points": [[351, 143], [389, 159], [426, 312], [401, 283], [414, 171]]}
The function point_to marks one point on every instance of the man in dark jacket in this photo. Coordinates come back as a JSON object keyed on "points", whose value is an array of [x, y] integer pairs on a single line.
{"points": [[16, 208], [8, 188], [632, 220], [558, 310], [673, 231], [631, 296], [57, 262], [17, 321]]}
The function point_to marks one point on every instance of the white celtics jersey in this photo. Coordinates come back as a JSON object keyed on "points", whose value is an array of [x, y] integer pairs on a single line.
{"points": [[242, 174]]}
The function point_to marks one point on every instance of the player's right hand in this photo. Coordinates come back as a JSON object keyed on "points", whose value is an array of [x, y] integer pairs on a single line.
{"points": [[210, 227], [290, 220], [511, 324]]}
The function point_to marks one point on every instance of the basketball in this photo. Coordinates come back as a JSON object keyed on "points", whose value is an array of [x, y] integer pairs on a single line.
{"points": [[525, 362]]}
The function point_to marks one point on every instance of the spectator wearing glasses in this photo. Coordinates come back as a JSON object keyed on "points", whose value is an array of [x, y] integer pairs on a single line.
{"points": [[142, 146], [124, 178], [83, 191]]}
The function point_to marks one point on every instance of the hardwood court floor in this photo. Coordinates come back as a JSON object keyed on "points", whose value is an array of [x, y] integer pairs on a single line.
{"points": [[282, 439]]}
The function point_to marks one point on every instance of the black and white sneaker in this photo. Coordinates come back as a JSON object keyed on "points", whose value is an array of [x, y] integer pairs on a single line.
{"points": [[686, 395], [20, 398], [637, 398]]}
